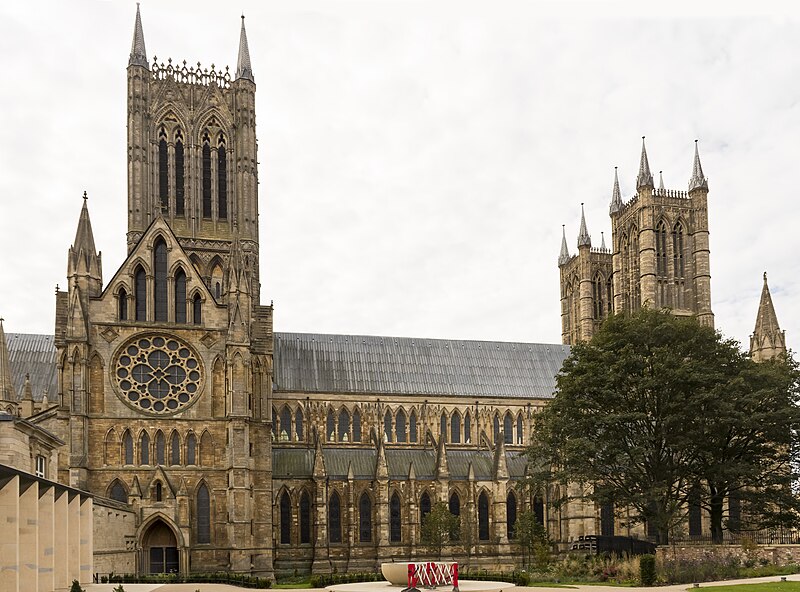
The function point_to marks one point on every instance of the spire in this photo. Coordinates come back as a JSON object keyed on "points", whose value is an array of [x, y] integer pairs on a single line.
{"points": [[661, 179], [564, 256], [616, 196], [698, 180], [243, 67], [84, 237], [84, 261], [767, 340], [584, 240], [603, 241], [645, 178], [138, 52], [7, 392]]}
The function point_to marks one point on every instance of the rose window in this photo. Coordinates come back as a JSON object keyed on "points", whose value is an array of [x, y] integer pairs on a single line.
{"points": [[158, 374]]}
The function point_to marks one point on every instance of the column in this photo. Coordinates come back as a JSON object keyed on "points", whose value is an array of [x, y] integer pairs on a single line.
{"points": [[74, 537], [87, 541], [61, 540], [28, 536], [46, 537], [9, 535]]}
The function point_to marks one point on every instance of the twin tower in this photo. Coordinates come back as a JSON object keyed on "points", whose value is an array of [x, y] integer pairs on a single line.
{"points": [[659, 257]]}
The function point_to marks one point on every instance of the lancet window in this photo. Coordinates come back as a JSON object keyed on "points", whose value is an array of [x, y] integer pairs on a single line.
{"points": [[222, 179], [163, 170], [206, 173], [179, 174], [203, 514], [335, 518], [160, 280]]}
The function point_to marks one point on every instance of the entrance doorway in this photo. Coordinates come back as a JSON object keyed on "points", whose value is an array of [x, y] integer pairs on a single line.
{"points": [[160, 549]]}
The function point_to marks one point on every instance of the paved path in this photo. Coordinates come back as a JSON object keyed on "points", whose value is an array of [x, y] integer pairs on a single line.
{"points": [[511, 588]]}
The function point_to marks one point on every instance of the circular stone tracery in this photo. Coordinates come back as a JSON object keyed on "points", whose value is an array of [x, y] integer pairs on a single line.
{"points": [[157, 374]]}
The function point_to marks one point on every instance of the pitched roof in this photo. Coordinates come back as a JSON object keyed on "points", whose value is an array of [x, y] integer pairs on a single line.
{"points": [[34, 355], [309, 362]]}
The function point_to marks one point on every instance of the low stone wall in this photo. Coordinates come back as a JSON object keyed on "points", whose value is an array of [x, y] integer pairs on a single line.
{"points": [[114, 537], [775, 554]]}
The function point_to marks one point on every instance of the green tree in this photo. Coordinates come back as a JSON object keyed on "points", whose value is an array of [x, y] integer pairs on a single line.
{"points": [[438, 526], [533, 540], [651, 407]]}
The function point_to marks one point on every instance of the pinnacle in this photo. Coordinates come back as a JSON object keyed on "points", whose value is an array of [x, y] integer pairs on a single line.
{"points": [[697, 180], [7, 391], [243, 67], [564, 256], [84, 238], [584, 240], [766, 320], [616, 196], [645, 177], [138, 53]]}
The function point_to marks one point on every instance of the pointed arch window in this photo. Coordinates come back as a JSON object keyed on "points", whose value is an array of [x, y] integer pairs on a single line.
{"points": [[598, 291], [356, 425], [206, 172], [519, 429], [159, 491], [344, 425], [286, 424], [117, 492], [661, 249], [511, 515], [222, 180], [175, 449], [395, 523], [677, 250], [607, 518], [180, 296], [206, 450], [179, 174], [160, 448], [197, 309], [387, 426], [191, 449], [455, 428], [127, 446], [286, 519], [365, 518], [144, 449], [203, 514], [335, 518], [400, 426], [483, 517], [424, 506], [122, 305], [609, 296], [467, 429], [538, 509], [163, 170], [140, 293], [298, 423], [443, 426], [412, 428], [508, 426], [160, 280], [454, 505], [331, 427], [496, 428], [305, 518]]}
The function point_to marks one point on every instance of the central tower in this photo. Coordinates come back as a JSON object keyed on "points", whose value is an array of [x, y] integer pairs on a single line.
{"points": [[192, 158]]}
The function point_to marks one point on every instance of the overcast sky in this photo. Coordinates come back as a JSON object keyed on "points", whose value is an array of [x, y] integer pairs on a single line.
{"points": [[417, 159]]}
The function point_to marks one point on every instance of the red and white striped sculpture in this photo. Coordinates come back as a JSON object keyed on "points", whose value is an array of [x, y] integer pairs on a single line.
{"points": [[431, 574]]}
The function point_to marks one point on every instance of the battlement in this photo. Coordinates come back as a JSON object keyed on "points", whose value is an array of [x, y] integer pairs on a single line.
{"points": [[671, 193], [190, 74]]}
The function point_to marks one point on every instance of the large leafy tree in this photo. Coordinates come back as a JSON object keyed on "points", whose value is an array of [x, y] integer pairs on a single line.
{"points": [[438, 528], [649, 413]]}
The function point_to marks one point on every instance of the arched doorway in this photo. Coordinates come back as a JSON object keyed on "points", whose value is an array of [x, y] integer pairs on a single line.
{"points": [[160, 549]]}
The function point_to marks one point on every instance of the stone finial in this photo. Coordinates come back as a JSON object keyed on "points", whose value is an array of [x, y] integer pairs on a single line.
{"points": [[584, 240], [645, 177], [563, 257], [243, 67], [698, 179], [616, 196], [138, 55]]}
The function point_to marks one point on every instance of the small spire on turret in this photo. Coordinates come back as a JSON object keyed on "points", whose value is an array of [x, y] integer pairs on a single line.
{"points": [[564, 256], [661, 180], [603, 241], [767, 340], [698, 179], [243, 67], [7, 391], [645, 177], [138, 53], [83, 259], [616, 196], [584, 240]]}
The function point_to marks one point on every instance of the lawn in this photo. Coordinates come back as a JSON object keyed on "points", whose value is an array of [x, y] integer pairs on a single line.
{"points": [[765, 587]]}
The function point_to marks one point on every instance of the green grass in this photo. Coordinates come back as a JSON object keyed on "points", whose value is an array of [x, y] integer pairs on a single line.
{"points": [[765, 587], [292, 585]]}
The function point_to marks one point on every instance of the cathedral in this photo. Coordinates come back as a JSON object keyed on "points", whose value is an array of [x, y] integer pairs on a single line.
{"points": [[233, 447]]}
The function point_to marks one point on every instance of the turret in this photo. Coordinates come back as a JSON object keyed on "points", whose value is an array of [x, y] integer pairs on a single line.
{"points": [[701, 252], [586, 297], [767, 340]]}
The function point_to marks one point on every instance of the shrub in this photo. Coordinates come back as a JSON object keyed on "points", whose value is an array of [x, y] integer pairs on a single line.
{"points": [[76, 587], [647, 570]]}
